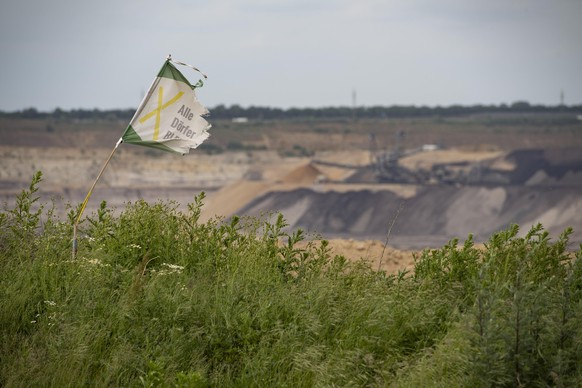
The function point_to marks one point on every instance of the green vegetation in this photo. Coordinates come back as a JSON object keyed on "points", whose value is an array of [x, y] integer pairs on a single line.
{"points": [[156, 298]]}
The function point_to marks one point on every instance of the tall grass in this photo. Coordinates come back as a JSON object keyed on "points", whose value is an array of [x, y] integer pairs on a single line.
{"points": [[157, 298]]}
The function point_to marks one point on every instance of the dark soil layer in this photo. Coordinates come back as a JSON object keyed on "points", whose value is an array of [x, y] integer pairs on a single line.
{"points": [[544, 187]]}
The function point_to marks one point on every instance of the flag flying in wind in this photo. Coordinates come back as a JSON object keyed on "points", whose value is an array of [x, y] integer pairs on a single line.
{"points": [[170, 116]]}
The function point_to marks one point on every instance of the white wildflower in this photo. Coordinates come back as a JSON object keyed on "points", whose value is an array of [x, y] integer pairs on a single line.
{"points": [[96, 262], [134, 246], [170, 268], [174, 266], [50, 302]]}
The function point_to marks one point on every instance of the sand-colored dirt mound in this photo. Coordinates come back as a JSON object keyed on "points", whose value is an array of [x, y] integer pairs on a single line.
{"points": [[427, 160], [304, 175], [380, 257], [229, 199]]}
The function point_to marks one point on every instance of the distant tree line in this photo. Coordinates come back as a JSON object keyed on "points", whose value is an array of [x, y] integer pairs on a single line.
{"points": [[75, 114], [341, 112]]}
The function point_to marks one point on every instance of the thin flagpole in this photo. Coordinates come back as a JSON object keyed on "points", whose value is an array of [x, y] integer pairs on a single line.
{"points": [[76, 224]]}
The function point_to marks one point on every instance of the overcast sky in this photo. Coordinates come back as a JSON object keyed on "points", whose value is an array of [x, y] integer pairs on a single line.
{"points": [[292, 53]]}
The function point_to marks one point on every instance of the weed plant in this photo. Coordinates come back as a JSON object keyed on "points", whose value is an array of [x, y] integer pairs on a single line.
{"points": [[157, 298]]}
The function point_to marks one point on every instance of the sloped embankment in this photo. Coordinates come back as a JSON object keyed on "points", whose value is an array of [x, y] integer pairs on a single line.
{"points": [[434, 215], [542, 187]]}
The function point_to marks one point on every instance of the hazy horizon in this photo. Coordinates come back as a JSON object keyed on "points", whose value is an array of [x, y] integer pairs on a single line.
{"points": [[307, 107]]}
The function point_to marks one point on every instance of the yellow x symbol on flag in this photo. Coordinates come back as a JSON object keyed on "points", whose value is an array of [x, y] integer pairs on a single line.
{"points": [[159, 109]]}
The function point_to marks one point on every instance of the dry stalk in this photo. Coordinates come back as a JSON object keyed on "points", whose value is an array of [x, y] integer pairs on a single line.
{"points": [[400, 207]]}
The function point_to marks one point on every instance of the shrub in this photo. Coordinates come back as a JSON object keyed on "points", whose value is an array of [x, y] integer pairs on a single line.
{"points": [[157, 298]]}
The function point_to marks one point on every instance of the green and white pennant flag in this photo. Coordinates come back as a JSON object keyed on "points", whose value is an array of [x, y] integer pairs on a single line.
{"points": [[170, 116]]}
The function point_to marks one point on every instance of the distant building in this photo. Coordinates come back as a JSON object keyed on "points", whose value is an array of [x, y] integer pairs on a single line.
{"points": [[430, 147], [240, 120]]}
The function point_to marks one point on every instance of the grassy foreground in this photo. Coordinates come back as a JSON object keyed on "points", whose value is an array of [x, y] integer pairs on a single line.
{"points": [[156, 298]]}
